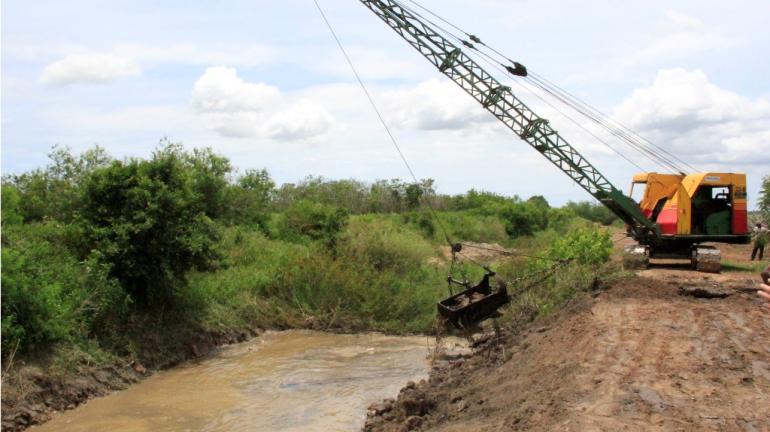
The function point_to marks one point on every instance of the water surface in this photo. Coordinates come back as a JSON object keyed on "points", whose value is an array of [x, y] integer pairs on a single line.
{"points": [[281, 381]]}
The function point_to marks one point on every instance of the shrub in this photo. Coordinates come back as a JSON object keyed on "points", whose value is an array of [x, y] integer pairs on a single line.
{"points": [[382, 245], [520, 218], [55, 192], [306, 220], [247, 201], [593, 212], [764, 199], [586, 246], [472, 226], [560, 219], [474, 199], [48, 295], [11, 205], [148, 223], [208, 173]]}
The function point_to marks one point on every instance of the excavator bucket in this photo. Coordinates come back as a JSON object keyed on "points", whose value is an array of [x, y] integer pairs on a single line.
{"points": [[473, 305]]}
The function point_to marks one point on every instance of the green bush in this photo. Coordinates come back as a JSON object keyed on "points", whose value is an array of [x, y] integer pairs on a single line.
{"points": [[594, 212], [48, 295], [474, 199], [208, 179], [589, 246], [307, 220], [352, 294], [424, 221], [472, 226], [11, 205], [542, 285], [560, 219], [520, 218], [149, 225], [763, 203], [383, 245], [55, 192], [248, 200]]}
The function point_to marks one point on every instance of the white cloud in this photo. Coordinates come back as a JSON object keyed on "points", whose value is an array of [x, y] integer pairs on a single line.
{"points": [[434, 105], [371, 63], [235, 108], [240, 55], [677, 36], [683, 111], [89, 68]]}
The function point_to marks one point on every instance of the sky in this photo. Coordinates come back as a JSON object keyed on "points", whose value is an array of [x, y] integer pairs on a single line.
{"points": [[263, 83]]}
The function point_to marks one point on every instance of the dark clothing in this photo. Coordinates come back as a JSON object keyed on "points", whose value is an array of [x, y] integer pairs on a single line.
{"points": [[760, 248], [760, 235]]}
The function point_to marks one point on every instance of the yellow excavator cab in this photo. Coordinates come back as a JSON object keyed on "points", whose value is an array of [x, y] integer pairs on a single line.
{"points": [[711, 205]]}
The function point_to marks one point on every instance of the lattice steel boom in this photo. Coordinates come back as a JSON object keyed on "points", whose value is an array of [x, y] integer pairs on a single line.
{"points": [[503, 104]]}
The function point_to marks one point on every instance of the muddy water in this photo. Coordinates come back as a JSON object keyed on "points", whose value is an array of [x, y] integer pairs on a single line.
{"points": [[282, 381]]}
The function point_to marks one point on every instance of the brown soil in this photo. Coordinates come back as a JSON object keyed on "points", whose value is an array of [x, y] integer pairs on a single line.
{"points": [[478, 252], [31, 393], [640, 355]]}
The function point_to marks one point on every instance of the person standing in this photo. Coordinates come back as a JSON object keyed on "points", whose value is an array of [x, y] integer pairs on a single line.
{"points": [[760, 239]]}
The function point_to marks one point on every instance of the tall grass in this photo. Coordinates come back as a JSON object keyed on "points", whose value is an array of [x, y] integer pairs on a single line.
{"points": [[377, 279]]}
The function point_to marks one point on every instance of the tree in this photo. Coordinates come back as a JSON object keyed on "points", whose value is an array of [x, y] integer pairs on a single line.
{"points": [[413, 194], [146, 221], [11, 203], [54, 192], [247, 201], [209, 176], [594, 212], [764, 199], [315, 221]]}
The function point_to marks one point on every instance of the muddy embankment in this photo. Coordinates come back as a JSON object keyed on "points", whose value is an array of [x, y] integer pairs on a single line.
{"points": [[31, 394], [644, 354]]}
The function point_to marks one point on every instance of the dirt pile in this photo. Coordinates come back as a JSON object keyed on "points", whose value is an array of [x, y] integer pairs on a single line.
{"points": [[638, 356]]}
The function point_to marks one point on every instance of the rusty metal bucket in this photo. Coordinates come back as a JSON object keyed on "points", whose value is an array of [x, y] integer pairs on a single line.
{"points": [[474, 304]]}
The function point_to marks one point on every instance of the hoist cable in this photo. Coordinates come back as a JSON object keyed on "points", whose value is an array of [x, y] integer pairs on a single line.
{"points": [[618, 134], [602, 120], [621, 125], [507, 252], [381, 118], [495, 63], [568, 117], [436, 15], [617, 129]]}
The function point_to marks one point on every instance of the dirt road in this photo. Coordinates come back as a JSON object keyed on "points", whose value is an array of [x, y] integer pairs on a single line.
{"points": [[637, 356]]}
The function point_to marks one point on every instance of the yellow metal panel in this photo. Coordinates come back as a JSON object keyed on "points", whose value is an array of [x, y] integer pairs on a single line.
{"points": [[659, 186], [684, 221]]}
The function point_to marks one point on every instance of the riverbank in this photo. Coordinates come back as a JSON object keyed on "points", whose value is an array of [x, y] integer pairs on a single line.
{"points": [[282, 380], [32, 393], [34, 388], [113, 269], [638, 353]]}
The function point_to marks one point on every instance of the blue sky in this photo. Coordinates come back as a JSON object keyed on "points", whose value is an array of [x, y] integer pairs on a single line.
{"points": [[263, 83]]}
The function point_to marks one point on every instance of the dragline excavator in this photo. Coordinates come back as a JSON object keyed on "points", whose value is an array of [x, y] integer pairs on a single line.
{"points": [[677, 213]]}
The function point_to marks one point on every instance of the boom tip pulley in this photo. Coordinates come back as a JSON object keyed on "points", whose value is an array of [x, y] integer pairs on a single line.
{"points": [[517, 69]]}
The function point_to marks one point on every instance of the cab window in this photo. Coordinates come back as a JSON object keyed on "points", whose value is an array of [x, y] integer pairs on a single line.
{"points": [[637, 191]]}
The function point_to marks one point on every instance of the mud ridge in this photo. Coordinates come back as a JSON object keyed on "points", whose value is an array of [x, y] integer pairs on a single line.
{"points": [[638, 356]]}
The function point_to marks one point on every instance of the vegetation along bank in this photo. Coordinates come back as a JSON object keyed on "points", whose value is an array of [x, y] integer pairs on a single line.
{"points": [[115, 268]]}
